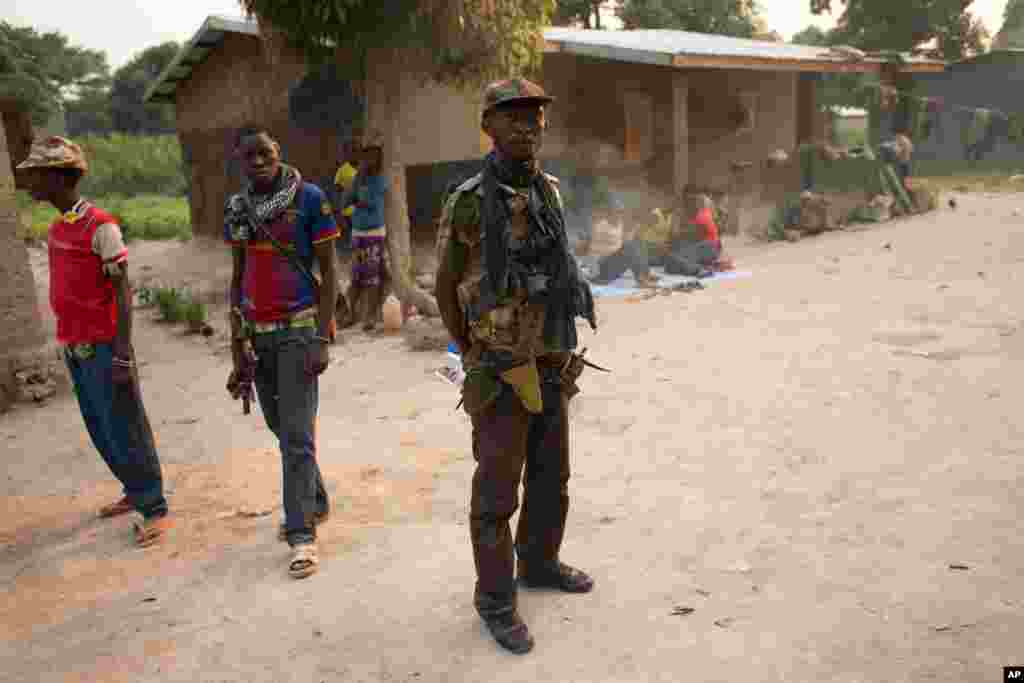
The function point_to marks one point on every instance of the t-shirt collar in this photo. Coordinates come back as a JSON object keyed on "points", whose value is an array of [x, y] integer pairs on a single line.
{"points": [[76, 212]]}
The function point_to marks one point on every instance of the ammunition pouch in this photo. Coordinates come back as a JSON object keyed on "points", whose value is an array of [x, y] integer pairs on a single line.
{"points": [[525, 381]]}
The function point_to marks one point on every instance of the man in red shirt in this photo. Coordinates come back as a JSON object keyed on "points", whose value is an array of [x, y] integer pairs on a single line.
{"points": [[91, 298], [697, 258]]}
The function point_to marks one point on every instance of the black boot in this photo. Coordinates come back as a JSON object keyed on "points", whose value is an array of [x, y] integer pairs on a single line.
{"points": [[556, 575], [503, 621]]}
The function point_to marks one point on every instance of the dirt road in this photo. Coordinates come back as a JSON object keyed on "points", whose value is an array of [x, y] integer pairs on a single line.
{"points": [[823, 462]]}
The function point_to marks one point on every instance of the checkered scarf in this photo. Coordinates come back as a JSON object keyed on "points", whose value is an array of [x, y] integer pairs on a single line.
{"points": [[265, 207]]}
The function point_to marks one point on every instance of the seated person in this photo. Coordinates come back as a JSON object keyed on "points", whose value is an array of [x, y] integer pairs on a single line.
{"points": [[697, 258], [634, 254]]}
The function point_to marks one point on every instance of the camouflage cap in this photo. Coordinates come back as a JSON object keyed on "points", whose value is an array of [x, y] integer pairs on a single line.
{"points": [[55, 152], [514, 90]]}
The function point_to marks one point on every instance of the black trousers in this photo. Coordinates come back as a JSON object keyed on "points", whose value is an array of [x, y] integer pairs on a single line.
{"points": [[512, 446]]}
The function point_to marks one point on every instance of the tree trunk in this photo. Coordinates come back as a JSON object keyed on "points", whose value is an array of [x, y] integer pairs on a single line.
{"points": [[21, 328], [387, 82]]}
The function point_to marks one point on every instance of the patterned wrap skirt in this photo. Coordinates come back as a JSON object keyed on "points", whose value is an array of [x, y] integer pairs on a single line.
{"points": [[367, 259]]}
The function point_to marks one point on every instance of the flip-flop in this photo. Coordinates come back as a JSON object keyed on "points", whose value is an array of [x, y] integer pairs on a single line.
{"points": [[304, 561], [121, 507]]}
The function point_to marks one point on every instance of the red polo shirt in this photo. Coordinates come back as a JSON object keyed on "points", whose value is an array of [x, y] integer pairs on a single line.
{"points": [[85, 244]]}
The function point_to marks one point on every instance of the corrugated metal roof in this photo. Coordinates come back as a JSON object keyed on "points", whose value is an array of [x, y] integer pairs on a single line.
{"points": [[1011, 52], [659, 47], [209, 35], [664, 47]]}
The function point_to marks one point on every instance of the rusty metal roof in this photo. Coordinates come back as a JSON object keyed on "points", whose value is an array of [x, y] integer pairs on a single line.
{"points": [[680, 49]]}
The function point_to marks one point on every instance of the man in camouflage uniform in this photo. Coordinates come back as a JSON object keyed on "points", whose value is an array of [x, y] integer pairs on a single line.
{"points": [[509, 291]]}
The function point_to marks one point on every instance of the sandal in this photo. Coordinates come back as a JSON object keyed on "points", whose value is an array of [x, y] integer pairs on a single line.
{"points": [[318, 519], [121, 507], [152, 531], [304, 561]]}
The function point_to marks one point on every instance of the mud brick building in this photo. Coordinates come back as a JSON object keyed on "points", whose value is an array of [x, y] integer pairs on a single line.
{"points": [[670, 113], [656, 113], [223, 78]]}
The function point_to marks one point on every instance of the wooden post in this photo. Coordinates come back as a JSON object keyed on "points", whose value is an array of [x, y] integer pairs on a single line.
{"points": [[680, 145], [806, 108]]}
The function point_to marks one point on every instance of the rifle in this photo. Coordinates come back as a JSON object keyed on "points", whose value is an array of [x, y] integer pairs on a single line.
{"points": [[241, 384]]}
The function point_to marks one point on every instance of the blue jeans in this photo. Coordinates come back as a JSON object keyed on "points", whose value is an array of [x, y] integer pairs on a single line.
{"points": [[119, 428], [289, 397]]}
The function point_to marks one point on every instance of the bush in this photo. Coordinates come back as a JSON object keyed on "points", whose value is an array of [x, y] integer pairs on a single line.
{"points": [[132, 165], [195, 315], [173, 303], [144, 217]]}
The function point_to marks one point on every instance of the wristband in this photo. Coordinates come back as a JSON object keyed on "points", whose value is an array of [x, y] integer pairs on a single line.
{"points": [[121, 362]]}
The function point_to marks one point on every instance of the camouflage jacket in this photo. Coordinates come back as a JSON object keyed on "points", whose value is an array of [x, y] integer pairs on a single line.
{"points": [[515, 326]]}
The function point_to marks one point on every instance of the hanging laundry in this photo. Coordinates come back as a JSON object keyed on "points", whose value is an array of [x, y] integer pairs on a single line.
{"points": [[1015, 133], [976, 131]]}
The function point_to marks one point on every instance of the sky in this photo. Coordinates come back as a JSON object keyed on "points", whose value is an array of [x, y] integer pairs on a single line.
{"points": [[122, 28]]}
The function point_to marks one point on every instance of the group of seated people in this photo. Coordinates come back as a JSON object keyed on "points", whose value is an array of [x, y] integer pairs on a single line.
{"points": [[691, 247]]}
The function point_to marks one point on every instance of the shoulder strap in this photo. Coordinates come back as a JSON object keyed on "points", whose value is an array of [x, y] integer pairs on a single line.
{"points": [[292, 256]]}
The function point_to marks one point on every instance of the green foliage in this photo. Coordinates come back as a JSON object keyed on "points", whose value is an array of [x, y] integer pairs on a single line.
{"points": [[850, 133], [777, 225], [175, 305], [119, 106], [1011, 35], [144, 217], [40, 70], [466, 42], [195, 314], [89, 113], [812, 35], [128, 113], [172, 302], [906, 25], [584, 12], [133, 164], [724, 17], [836, 90]]}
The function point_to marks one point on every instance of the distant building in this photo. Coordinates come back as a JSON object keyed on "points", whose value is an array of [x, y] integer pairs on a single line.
{"points": [[992, 80]]}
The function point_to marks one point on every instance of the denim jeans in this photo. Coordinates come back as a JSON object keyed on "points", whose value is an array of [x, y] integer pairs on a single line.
{"points": [[690, 258], [288, 397], [119, 428]]}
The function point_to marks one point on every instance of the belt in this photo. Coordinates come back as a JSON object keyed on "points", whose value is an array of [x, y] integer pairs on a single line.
{"points": [[80, 351], [302, 319]]}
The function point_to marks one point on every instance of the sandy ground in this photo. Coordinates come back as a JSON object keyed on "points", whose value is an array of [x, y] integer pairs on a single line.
{"points": [[799, 457]]}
